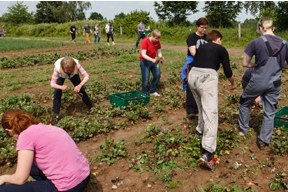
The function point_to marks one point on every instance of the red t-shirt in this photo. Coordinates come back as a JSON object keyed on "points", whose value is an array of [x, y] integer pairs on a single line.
{"points": [[151, 48]]}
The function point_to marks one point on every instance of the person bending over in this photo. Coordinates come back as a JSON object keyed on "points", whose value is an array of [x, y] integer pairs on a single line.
{"points": [[47, 154]]}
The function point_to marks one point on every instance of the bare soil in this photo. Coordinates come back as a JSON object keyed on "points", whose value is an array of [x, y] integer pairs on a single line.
{"points": [[247, 175]]}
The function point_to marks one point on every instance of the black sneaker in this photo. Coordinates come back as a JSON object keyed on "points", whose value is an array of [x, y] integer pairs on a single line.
{"points": [[261, 145], [198, 135], [192, 115]]}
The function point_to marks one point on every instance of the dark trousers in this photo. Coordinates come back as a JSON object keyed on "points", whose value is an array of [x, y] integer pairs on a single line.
{"points": [[73, 36], [108, 37], [58, 94], [191, 105], [140, 36], [42, 184]]}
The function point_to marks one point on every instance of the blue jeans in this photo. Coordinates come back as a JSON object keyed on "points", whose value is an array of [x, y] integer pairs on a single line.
{"points": [[96, 36], [146, 67], [42, 184]]}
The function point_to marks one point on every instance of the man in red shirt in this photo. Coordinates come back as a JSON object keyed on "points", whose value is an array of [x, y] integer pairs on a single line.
{"points": [[150, 59]]}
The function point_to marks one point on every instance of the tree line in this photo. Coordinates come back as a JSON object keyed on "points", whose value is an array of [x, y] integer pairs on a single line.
{"points": [[221, 14]]}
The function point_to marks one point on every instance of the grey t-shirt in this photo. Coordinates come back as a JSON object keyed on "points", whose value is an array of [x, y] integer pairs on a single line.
{"points": [[258, 48]]}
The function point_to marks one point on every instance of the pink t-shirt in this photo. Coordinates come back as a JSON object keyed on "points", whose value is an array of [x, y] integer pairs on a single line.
{"points": [[56, 154]]}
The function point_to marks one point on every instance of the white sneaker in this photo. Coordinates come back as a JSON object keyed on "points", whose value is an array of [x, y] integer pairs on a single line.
{"points": [[108, 44], [155, 94], [113, 43]]}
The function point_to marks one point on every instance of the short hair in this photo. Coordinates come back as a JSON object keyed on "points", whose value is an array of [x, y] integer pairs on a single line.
{"points": [[17, 121], [214, 35], [265, 23], [68, 62], [156, 33], [202, 21]]}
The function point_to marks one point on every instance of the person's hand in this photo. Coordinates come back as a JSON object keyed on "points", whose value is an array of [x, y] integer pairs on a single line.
{"points": [[233, 86], [77, 88], [64, 87], [1, 180], [155, 60], [161, 59]]}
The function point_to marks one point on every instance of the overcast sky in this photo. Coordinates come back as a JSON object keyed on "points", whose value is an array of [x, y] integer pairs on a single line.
{"points": [[109, 9]]}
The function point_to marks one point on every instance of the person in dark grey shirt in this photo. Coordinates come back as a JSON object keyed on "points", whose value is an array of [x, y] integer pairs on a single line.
{"points": [[203, 82], [271, 53]]}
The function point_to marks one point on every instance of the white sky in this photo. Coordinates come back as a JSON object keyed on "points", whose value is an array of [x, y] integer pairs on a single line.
{"points": [[109, 9]]}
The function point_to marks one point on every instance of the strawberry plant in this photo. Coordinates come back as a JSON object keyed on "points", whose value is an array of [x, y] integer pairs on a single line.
{"points": [[279, 142], [279, 182], [111, 151]]}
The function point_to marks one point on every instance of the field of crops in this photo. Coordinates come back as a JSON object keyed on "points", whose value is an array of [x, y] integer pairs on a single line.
{"points": [[140, 148]]}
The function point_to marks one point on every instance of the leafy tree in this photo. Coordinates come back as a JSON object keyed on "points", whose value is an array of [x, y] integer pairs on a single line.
{"points": [[18, 14], [60, 11], [120, 15], [81, 7], [96, 16], [176, 12], [250, 23], [282, 15], [261, 8], [222, 13]]}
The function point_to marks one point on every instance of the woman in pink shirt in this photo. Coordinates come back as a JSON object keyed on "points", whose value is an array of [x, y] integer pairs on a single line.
{"points": [[46, 153], [68, 68]]}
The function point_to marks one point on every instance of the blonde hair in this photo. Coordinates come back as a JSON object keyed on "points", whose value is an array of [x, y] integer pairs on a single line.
{"points": [[68, 62], [265, 23], [17, 121], [156, 33]]}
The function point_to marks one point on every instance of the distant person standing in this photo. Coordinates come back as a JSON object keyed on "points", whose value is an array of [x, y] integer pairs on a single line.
{"points": [[96, 33], [87, 31], [110, 32], [193, 41], [73, 32], [150, 59], [141, 32]]}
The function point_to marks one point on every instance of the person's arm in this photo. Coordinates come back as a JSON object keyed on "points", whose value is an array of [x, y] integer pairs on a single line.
{"points": [[192, 50], [53, 81], [160, 56], [227, 67], [84, 81], [24, 163], [232, 81], [247, 61], [145, 56]]}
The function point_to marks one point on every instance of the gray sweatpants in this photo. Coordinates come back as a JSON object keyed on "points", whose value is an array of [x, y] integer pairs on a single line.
{"points": [[204, 86]]}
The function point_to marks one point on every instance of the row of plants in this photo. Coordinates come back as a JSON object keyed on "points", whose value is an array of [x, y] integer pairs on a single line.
{"points": [[40, 59]]}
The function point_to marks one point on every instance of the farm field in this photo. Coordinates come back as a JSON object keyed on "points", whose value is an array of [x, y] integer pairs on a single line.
{"points": [[142, 148]]}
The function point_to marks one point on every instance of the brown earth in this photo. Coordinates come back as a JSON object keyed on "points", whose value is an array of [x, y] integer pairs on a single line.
{"points": [[249, 174]]}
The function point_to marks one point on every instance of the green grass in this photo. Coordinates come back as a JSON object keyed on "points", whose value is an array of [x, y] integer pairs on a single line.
{"points": [[7, 44]]}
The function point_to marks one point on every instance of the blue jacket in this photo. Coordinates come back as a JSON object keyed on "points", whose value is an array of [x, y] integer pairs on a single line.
{"points": [[189, 59]]}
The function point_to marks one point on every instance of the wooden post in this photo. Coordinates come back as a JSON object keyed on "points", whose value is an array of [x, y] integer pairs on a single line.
{"points": [[239, 30], [121, 33]]}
